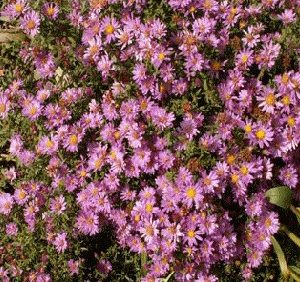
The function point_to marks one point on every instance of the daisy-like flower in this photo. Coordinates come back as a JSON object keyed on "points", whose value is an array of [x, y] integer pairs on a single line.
{"points": [[6, 203], [149, 230], [31, 108], [94, 47], [192, 235], [47, 145], [88, 223], [289, 176], [245, 59], [73, 266], [109, 27], [72, 141], [191, 193], [58, 204], [15, 9], [268, 100], [11, 229], [287, 16], [270, 223], [4, 106], [261, 135], [30, 23], [105, 66], [50, 10], [60, 242], [210, 182], [21, 196]]}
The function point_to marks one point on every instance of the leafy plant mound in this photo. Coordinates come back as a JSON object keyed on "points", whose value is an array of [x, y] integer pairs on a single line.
{"points": [[138, 139]]}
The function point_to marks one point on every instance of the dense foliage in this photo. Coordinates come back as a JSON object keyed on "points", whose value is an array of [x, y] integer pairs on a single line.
{"points": [[138, 139]]}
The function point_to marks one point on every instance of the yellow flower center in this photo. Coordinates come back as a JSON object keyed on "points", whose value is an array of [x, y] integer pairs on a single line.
{"points": [[234, 178], [73, 140], [109, 29], [207, 4], [270, 99], [244, 58], [18, 8], [83, 173], [149, 230], [144, 105], [248, 128], [216, 66], [286, 100], [49, 144], [191, 233], [94, 49], [260, 134], [161, 56], [22, 194], [230, 159], [191, 192], [244, 170], [2, 107], [192, 9], [137, 217], [31, 24], [50, 11], [98, 163], [285, 79], [117, 135], [291, 121], [33, 111], [207, 181], [149, 208]]}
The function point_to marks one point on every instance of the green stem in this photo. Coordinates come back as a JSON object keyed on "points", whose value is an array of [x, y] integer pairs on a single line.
{"points": [[143, 263], [295, 210], [291, 235]]}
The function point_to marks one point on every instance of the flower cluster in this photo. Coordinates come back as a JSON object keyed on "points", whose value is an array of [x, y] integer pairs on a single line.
{"points": [[167, 127]]}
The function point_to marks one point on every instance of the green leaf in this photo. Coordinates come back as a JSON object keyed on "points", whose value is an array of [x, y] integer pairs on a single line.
{"points": [[294, 275], [280, 196], [168, 277], [281, 257], [291, 235], [7, 35], [295, 269]]}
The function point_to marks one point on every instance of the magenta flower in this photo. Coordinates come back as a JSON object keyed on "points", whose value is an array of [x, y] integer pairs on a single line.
{"points": [[4, 106], [6, 203], [60, 242], [30, 23]]}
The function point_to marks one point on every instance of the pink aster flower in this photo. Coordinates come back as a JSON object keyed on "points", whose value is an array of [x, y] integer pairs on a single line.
{"points": [[105, 66], [245, 59], [31, 108], [109, 27], [192, 193], [50, 10], [4, 106], [262, 135], [6, 203], [58, 204], [60, 242], [149, 231], [30, 23], [287, 16], [47, 145], [289, 176], [15, 9], [88, 223], [11, 229], [268, 100], [210, 182], [73, 266]]}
